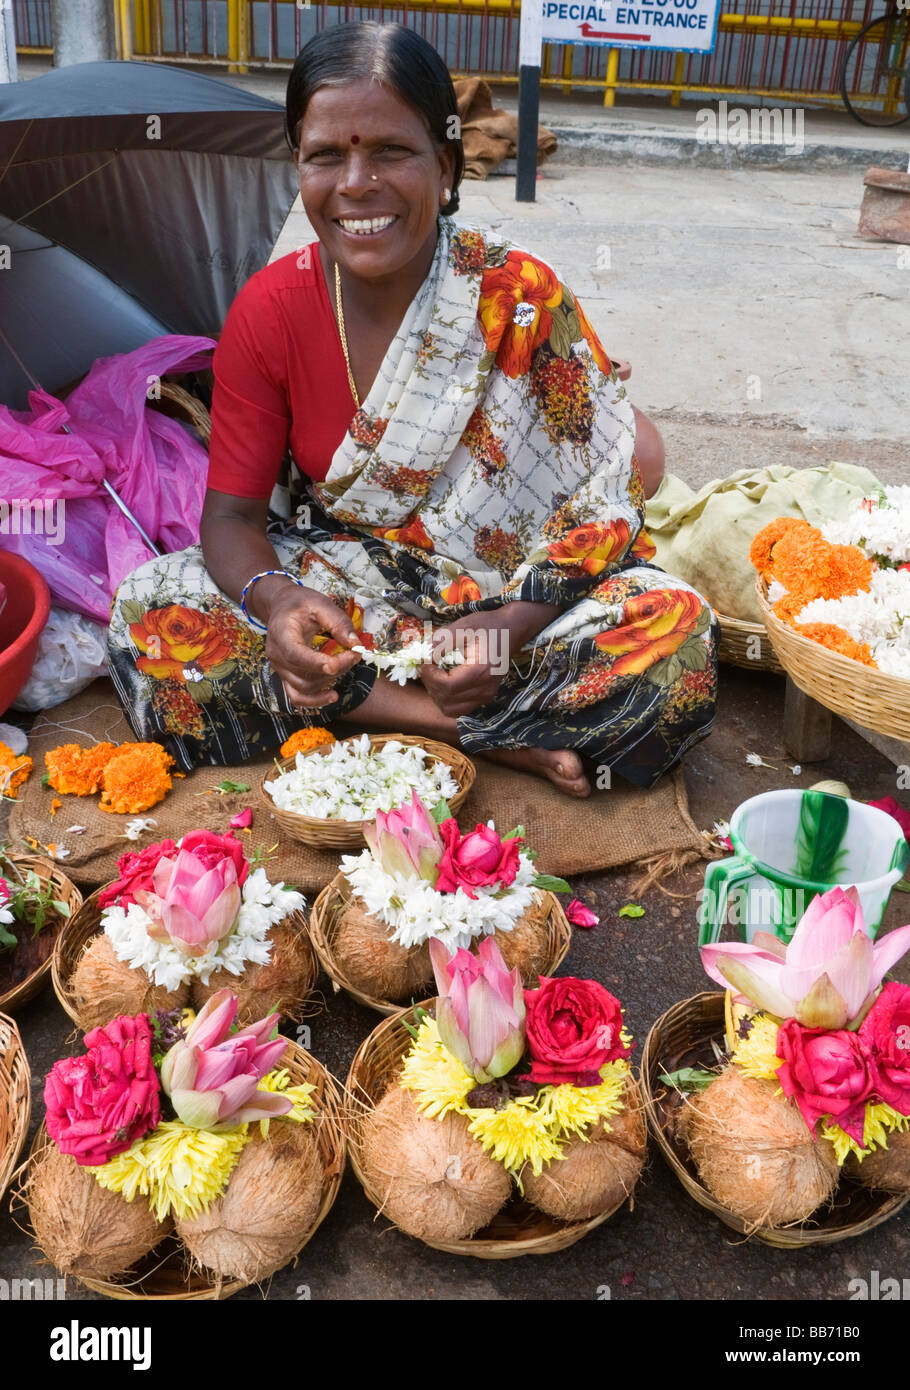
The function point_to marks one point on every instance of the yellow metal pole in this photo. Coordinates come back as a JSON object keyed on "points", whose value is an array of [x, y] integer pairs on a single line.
{"points": [[679, 67], [610, 79], [238, 36], [143, 29], [567, 55]]}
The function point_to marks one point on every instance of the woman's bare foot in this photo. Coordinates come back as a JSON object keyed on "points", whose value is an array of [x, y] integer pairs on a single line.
{"points": [[410, 710], [560, 766]]}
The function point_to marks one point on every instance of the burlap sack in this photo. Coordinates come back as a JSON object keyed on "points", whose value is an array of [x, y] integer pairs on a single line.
{"points": [[611, 828], [489, 134]]}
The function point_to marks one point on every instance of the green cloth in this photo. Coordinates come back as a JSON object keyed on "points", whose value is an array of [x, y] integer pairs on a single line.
{"points": [[705, 536]]}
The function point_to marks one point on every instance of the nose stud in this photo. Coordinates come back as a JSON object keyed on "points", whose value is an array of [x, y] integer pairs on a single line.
{"points": [[375, 178]]}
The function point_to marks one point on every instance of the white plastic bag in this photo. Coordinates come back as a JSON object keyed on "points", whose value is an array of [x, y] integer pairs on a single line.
{"points": [[72, 652]]}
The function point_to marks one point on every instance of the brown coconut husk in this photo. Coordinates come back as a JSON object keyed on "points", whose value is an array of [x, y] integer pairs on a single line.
{"points": [[754, 1152], [103, 987], [526, 944], [886, 1170], [373, 963], [284, 983], [434, 1179], [595, 1174], [265, 1215], [82, 1228]]}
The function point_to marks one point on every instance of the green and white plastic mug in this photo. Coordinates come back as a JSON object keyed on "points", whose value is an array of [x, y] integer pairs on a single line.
{"points": [[789, 847]]}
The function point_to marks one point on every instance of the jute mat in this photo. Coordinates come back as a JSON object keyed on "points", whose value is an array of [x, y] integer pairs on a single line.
{"points": [[611, 828]]}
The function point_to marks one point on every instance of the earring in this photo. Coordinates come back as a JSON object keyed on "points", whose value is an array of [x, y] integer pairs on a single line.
{"points": [[446, 195]]}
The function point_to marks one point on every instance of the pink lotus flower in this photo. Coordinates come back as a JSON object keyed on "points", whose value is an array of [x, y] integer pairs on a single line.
{"points": [[243, 819], [481, 1009], [829, 974], [476, 860], [191, 905], [213, 1075], [99, 1104], [406, 841], [581, 916]]}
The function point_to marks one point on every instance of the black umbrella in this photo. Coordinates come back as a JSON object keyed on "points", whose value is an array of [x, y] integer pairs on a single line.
{"points": [[141, 198]]}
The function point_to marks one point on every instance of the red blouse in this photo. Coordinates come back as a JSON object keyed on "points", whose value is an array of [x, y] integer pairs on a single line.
{"points": [[280, 378]]}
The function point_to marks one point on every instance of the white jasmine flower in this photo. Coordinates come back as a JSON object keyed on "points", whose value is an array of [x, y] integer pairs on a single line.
{"points": [[353, 780], [878, 616], [263, 905], [399, 666], [415, 912], [135, 827], [60, 851]]}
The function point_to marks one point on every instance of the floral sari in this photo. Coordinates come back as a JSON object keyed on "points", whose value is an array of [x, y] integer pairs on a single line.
{"points": [[492, 461]]}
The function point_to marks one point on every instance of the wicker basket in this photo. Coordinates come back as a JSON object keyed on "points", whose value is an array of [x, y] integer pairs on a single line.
{"points": [[167, 1273], [348, 834], [66, 892], [184, 406], [518, 1229], [86, 923], [15, 1098], [870, 697], [682, 1038], [738, 645], [334, 898]]}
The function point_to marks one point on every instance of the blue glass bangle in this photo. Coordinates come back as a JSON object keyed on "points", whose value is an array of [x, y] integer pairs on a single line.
{"points": [[263, 574]]}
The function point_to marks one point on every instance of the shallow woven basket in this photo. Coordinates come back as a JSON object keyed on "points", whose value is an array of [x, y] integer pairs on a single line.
{"points": [[184, 406], [66, 892], [334, 898], [870, 697], [15, 1098], [518, 1229], [167, 1273], [348, 834], [737, 641], [86, 923], [682, 1038]]}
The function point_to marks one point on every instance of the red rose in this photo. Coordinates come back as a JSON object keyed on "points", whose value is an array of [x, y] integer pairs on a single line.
{"points": [[210, 849], [827, 1073], [886, 1032], [135, 874], [476, 860], [574, 1028], [99, 1104]]}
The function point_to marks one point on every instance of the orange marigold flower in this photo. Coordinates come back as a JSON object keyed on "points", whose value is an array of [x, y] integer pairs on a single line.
{"points": [[767, 538], [55, 805], [808, 566], [837, 640], [136, 778], [76, 771], [13, 771], [304, 739]]}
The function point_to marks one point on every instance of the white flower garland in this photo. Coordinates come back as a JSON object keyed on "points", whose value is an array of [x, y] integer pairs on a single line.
{"points": [[352, 781], [404, 665], [881, 531], [879, 615], [415, 912], [264, 904]]}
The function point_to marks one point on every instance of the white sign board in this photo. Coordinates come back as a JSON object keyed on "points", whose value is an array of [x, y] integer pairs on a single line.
{"points": [[688, 26]]}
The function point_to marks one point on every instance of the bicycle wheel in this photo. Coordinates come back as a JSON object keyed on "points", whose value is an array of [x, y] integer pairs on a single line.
{"points": [[875, 81]]}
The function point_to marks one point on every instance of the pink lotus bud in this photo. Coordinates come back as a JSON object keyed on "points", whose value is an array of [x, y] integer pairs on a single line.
{"points": [[406, 841], [480, 1010], [191, 906]]}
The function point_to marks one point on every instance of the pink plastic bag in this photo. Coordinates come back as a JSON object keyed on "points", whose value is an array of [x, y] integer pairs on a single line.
{"points": [[55, 510]]}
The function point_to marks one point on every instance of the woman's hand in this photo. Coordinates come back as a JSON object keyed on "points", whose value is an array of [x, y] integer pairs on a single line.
{"points": [[487, 641], [295, 616]]}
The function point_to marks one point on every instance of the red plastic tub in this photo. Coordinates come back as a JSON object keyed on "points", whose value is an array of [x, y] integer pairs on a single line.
{"points": [[28, 602]]}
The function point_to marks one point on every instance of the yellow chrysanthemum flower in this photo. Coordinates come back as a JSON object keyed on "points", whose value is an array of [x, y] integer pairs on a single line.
{"points": [[180, 1169], [438, 1080], [575, 1108], [879, 1122], [302, 1111], [516, 1135], [757, 1054]]}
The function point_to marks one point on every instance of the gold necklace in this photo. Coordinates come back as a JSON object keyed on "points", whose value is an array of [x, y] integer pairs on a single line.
{"points": [[344, 336]]}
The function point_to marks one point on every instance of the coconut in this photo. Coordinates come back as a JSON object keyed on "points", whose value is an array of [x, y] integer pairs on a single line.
{"points": [[285, 982], [596, 1173], [526, 944], [103, 987], [888, 1170], [263, 1218], [373, 963], [81, 1227], [754, 1152], [433, 1178]]}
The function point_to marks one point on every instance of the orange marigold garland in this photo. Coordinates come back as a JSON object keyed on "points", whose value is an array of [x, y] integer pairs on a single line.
{"points": [[764, 543], [13, 770], [304, 739], [76, 771], [136, 778], [829, 635]]}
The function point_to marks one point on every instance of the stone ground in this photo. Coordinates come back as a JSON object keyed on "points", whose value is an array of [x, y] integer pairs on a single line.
{"points": [[703, 277]]}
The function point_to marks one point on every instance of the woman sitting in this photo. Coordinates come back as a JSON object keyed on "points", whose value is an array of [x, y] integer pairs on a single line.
{"points": [[464, 473]]}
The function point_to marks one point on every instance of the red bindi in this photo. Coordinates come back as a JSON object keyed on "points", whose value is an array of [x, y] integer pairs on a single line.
{"points": [[355, 139]]}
